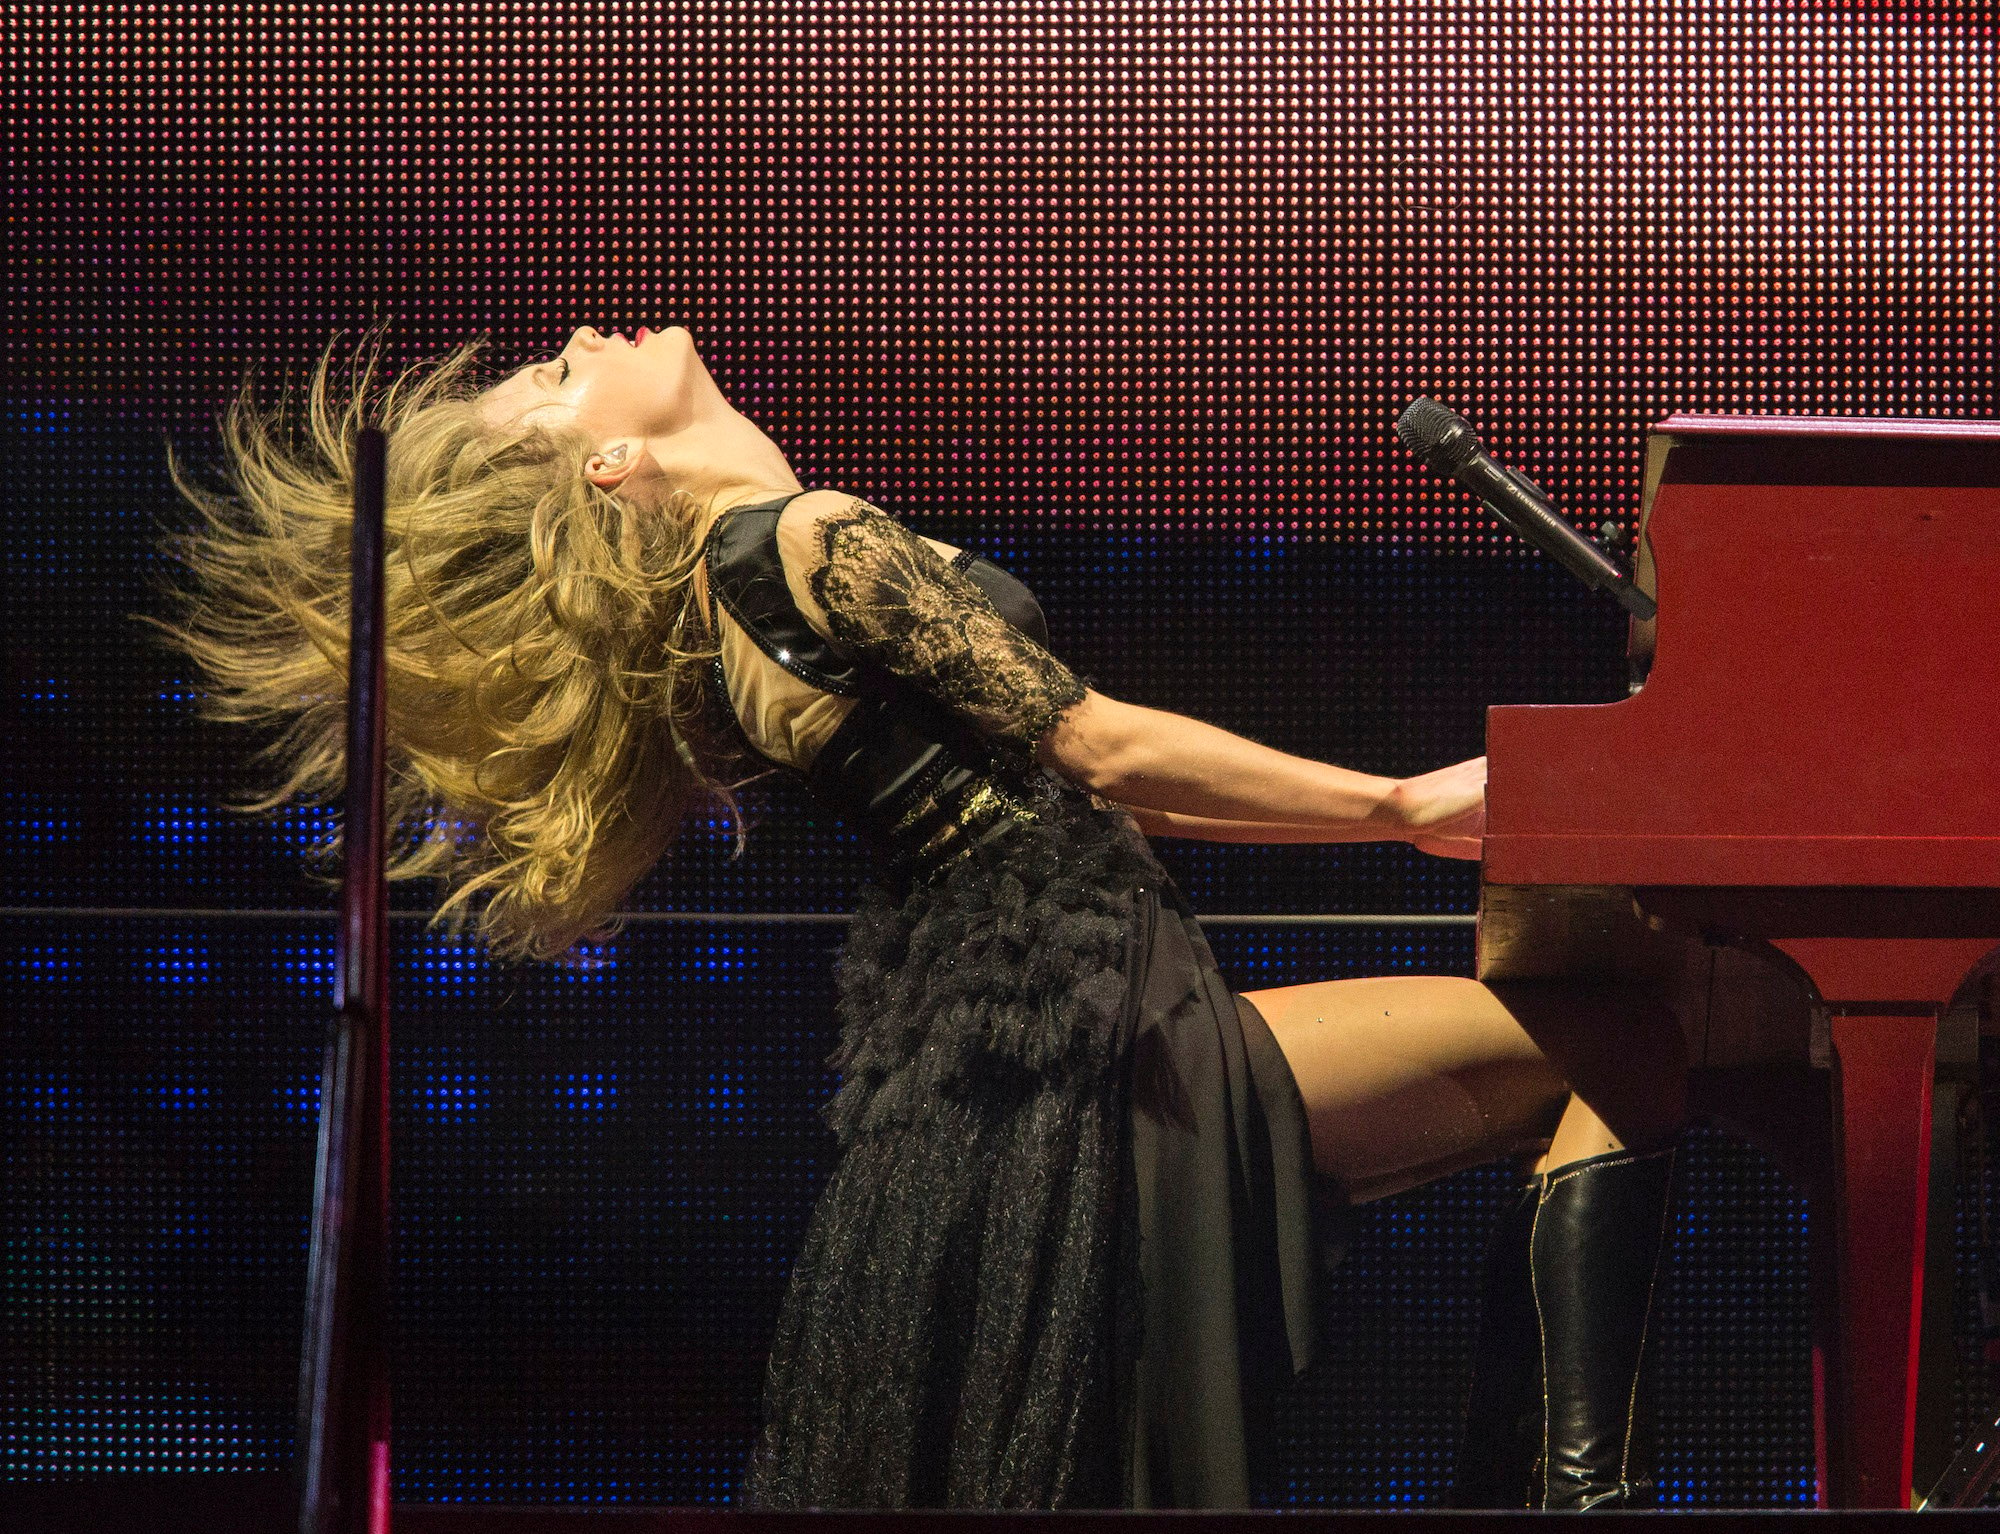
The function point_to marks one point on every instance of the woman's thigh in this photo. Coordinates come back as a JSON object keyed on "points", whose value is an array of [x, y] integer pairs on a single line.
{"points": [[1407, 1077]]}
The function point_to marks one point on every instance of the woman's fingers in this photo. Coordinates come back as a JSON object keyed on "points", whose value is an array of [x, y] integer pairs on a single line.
{"points": [[1467, 847], [1449, 803]]}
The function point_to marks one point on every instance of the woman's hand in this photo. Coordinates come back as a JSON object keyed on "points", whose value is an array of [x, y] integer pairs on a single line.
{"points": [[1443, 812]]}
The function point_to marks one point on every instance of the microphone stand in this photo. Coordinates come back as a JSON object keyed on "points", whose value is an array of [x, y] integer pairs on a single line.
{"points": [[344, 1367]]}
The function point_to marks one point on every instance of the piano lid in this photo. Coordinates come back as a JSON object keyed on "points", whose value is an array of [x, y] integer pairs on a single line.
{"points": [[1693, 423], [1695, 449], [1824, 701]]}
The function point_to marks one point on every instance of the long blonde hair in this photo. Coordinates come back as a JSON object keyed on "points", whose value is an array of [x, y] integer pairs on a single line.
{"points": [[543, 644]]}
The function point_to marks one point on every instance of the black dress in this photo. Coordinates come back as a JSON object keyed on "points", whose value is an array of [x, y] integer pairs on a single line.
{"points": [[1064, 1256]]}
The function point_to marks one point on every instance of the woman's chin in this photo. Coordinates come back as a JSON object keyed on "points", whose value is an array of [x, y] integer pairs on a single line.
{"points": [[675, 341], [670, 347]]}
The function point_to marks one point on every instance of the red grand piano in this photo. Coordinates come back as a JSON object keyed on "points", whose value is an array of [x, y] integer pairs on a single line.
{"points": [[1793, 828]]}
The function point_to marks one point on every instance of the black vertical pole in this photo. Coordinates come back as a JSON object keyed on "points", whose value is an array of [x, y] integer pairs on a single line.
{"points": [[344, 1375]]}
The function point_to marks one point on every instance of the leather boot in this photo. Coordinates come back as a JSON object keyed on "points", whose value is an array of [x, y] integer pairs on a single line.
{"points": [[1502, 1443], [1594, 1256]]}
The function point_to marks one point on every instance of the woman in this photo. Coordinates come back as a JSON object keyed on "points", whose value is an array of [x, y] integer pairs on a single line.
{"points": [[1062, 1259]]}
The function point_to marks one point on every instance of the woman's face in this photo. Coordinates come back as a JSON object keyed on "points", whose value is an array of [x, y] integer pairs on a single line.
{"points": [[646, 400]]}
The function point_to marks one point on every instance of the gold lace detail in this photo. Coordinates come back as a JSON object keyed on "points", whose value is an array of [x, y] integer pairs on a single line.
{"points": [[890, 599]]}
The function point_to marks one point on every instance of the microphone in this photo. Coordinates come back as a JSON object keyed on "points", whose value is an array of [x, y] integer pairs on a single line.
{"points": [[1449, 446]]}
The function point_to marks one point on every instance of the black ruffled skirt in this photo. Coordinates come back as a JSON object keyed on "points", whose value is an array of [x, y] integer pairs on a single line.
{"points": [[1064, 1257]]}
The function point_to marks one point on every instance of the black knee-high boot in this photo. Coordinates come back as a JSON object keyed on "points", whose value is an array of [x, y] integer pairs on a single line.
{"points": [[1502, 1444], [1594, 1255]]}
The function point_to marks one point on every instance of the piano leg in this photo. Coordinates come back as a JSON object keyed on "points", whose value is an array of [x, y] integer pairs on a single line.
{"points": [[1885, 997], [1882, 1072]]}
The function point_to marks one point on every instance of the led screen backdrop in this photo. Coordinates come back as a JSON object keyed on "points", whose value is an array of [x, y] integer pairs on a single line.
{"points": [[1125, 295]]}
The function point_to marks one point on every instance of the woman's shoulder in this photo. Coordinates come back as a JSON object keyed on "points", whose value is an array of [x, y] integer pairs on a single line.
{"points": [[808, 518], [742, 539], [810, 505], [805, 513]]}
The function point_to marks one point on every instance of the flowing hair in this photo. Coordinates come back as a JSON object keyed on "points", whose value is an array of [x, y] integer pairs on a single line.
{"points": [[544, 700]]}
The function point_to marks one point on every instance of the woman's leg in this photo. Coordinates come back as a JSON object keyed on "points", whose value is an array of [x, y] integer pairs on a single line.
{"points": [[1406, 1078], [1622, 1052]]}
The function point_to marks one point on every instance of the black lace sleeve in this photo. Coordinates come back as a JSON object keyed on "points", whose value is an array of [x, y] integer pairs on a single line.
{"points": [[892, 600]]}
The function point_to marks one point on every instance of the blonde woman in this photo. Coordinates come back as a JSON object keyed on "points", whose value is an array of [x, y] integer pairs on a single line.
{"points": [[1063, 1257]]}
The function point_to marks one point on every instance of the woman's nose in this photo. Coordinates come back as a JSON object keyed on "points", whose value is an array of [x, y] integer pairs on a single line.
{"points": [[586, 335]]}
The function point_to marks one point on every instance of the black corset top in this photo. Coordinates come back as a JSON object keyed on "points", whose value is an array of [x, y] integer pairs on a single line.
{"points": [[927, 786]]}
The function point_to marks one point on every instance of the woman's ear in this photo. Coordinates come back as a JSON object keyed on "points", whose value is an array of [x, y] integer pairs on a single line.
{"points": [[613, 462]]}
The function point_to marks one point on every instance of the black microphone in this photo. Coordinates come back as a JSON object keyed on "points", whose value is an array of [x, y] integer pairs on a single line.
{"points": [[1448, 445]]}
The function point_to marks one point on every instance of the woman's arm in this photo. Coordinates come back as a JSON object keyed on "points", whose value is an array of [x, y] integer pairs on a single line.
{"points": [[1165, 823], [1205, 829], [1207, 781], [878, 591]]}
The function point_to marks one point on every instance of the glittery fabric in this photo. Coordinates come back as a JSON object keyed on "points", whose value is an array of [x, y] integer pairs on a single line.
{"points": [[951, 1336], [1062, 1257]]}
